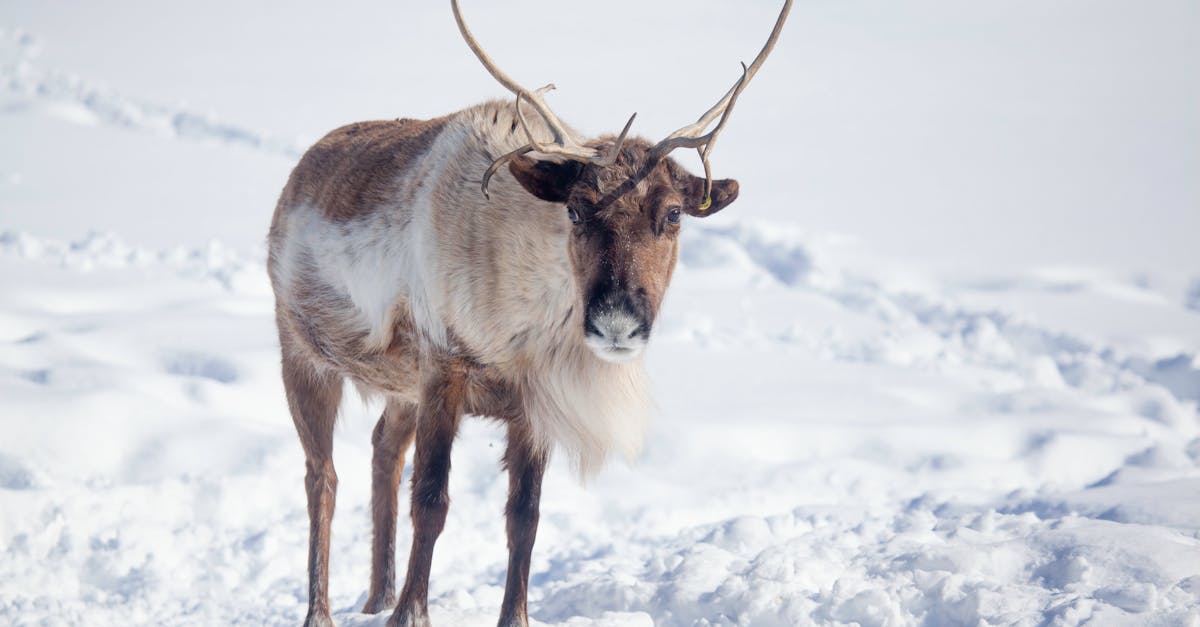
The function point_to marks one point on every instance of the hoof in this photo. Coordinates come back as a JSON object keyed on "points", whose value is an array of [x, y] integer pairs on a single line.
{"points": [[377, 604], [409, 618], [318, 619]]}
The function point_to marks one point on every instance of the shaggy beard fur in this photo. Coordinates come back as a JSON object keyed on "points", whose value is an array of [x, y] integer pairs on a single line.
{"points": [[588, 407]]}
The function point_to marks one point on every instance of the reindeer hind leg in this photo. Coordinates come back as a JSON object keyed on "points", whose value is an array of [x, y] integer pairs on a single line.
{"points": [[313, 398], [392, 436]]}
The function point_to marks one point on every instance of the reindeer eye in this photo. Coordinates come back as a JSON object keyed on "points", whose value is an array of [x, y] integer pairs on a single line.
{"points": [[673, 215], [573, 215]]}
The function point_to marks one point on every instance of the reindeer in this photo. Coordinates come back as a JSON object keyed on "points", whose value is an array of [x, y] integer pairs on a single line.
{"points": [[406, 258]]}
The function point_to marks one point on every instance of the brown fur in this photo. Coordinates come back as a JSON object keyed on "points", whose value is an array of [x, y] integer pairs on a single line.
{"points": [[354, 168], [327, 340], [525, 470], [624, 235], [314, 398], [443, 395]]}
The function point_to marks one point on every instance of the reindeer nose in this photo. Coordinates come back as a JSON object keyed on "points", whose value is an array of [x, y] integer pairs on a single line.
{"points": [[614, 326], [615, 334]]}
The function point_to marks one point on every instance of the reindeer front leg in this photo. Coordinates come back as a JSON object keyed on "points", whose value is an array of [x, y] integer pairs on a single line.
{"points": [[438, 414], [525, 469]]}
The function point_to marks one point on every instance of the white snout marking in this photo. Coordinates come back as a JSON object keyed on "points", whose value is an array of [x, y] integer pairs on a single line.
{"points": [[618, 341]]}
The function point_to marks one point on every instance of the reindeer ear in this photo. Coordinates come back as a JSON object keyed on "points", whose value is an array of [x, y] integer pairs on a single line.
{"points": [[724, 192], [548, 180]]}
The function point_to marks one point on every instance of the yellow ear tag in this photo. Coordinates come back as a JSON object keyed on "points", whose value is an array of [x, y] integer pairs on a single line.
{"points": [[707, 203]]}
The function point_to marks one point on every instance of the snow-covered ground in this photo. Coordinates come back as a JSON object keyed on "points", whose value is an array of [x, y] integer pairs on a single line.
{"points": [[943, 374]]}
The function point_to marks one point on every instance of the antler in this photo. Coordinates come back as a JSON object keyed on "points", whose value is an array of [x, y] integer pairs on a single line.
{"points": [[566, 143], [693, 135]]}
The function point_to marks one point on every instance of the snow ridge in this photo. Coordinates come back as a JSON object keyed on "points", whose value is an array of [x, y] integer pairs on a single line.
{"points": [[931, 331], [72, 98], [100, 250]]}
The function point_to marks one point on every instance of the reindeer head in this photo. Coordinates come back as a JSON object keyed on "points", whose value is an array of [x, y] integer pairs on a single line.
{"points": [[625, 200], [625, 235]]}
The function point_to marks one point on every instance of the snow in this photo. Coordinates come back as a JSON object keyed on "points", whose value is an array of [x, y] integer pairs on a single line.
{"points": [[883, 400]]}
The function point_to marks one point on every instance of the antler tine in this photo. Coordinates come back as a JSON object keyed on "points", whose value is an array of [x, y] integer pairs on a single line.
{"points": [[693, 135], [505, 158], [509, 156], [611, 157], [712, 137]]}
